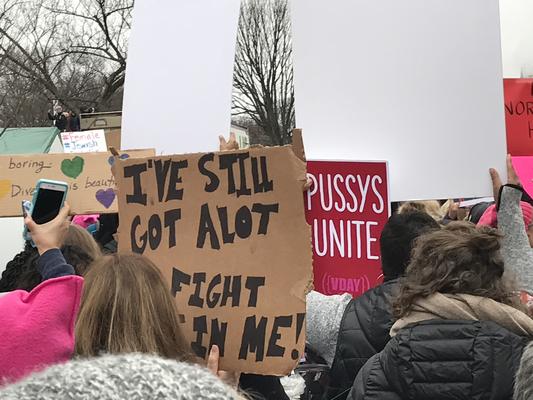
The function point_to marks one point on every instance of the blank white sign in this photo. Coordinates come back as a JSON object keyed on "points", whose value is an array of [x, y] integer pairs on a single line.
{"points": [[517, 37], [417, 83], [177, 95]]}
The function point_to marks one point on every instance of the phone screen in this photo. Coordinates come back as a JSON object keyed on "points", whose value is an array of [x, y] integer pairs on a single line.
{"points": [[47, 205]]}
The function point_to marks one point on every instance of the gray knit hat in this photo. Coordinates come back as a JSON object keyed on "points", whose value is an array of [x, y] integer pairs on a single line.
{"points": [[117, 377]]}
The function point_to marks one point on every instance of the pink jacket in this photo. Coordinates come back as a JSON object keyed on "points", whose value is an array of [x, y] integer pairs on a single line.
{"points": [[37, 328]]}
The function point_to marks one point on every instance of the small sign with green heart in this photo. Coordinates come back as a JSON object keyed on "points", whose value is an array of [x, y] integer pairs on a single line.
{"points": [[72, 168], [88, 175]]}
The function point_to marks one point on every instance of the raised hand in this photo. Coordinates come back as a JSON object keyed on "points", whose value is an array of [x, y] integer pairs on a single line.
{"points": [[230, 144], [229, 378], [52, 234], [512, 178]]}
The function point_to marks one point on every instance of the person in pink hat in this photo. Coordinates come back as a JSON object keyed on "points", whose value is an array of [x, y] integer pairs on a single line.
{"points": [[490, 217], [38, 326]]}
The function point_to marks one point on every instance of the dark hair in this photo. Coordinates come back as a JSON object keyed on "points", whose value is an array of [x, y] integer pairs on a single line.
{"points": [[79, 250], [106, 231], [397, 239], [477, 211], [458, 259], [20, 272]]}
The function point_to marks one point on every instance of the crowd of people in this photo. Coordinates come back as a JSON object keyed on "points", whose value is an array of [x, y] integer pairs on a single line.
{"points": [[450, 321]]}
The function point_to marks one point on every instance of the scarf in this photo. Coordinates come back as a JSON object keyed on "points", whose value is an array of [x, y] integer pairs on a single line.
{"points": [[469, 308]]}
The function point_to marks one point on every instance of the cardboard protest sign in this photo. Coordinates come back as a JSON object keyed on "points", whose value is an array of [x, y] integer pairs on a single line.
{"points": [[91, 183], [347, 207], [228, 232], [524, 169], [519, 116], [84, 142], [113, 138]]}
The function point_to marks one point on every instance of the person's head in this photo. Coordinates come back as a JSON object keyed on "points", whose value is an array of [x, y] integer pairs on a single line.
{"points": [[21, 271], [430, 207], [108, 225], [121, 377], [459, 259], [126, 307], [397, 239], [477, 211], [79, 250]]}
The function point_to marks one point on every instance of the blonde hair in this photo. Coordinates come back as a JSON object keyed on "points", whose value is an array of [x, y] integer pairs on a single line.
{"points": [[80, 249], [127, 307], [431, 207]]}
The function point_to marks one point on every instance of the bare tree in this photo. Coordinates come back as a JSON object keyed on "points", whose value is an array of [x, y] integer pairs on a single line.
{"points": [[263, 75], [72, 51], [101, 32]]}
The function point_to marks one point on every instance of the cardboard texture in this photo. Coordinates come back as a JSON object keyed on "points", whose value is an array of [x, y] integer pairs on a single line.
{"points": [[519, 116], [228, 232], [298, 144], [91, 183], [113, 138], [347, 207]]}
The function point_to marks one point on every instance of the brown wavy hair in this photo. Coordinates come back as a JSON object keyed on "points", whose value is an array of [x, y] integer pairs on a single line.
{"points": [[459, 259], [127, 307]]}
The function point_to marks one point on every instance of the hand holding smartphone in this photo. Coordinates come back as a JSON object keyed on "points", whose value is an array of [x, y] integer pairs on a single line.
{"points": [[48, 200]]}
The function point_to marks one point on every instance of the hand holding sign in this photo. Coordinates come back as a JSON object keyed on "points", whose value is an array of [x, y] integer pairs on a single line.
{"points": [[230, 144], [512, 178], [230, 378], [228, 232]]}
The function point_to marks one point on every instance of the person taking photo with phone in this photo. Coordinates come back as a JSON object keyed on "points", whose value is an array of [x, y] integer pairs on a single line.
{"points": [[40, 323]]}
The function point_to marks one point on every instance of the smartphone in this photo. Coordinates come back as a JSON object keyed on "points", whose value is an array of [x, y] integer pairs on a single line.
{"points": [[48, 199]]}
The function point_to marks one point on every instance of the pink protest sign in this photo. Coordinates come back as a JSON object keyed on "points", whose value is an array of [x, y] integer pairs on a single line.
{"points": [[519, 116], [347, 207], [524, 169]]}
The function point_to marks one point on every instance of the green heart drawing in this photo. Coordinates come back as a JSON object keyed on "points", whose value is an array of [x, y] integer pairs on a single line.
{"points": [[72, 168]]}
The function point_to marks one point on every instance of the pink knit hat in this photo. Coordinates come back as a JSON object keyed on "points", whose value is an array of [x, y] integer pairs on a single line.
{"points": [[85, 220], [37, 328], [490, 216]]}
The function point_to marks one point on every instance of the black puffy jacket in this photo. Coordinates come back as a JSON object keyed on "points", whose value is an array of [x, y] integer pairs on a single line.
{"points": [[364, 331], [441, 359]]}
